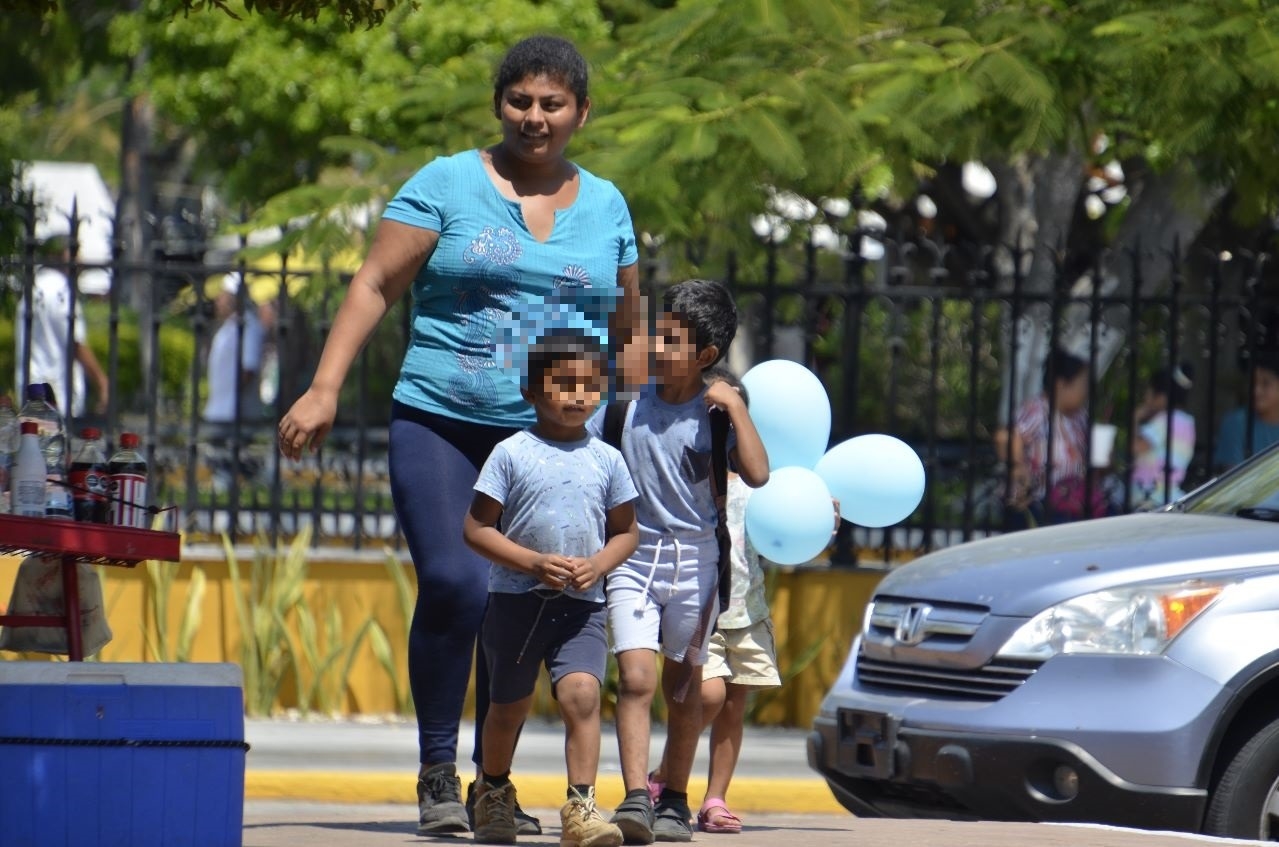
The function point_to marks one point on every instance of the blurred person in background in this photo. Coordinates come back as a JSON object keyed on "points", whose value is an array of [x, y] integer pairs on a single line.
{"points": [[50, 346]]}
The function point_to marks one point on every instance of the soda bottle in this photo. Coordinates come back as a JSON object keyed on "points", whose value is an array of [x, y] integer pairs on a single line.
{"points": [[9, 440], [28, 474], [53, 443], [127, 471], [89, 483]]}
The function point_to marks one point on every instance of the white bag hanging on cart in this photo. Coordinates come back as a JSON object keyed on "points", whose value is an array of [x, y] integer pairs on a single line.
{"points": [[37, 590]]}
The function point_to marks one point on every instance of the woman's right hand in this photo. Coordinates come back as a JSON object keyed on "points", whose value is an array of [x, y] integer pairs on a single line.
{"points": [[308, 421]]}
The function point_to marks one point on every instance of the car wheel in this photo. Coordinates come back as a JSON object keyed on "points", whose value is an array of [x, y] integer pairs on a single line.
{"points": [[1245, 802]]}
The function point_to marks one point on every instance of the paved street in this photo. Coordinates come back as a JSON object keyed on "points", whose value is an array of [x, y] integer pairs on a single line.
{"points": [[348, 783], [272, 824]]}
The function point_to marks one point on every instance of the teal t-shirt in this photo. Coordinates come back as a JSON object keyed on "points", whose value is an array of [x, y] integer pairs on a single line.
{"points": [[486, 265]]}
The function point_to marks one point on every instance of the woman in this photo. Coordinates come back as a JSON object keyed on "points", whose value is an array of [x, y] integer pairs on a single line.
{"points": [[473, 235], [1155, 460], [1031, 501]]}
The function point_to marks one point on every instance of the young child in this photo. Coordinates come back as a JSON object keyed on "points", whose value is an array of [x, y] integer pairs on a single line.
{"points": [[554, 511], [743, 656], [666, 595], [1161, 417]]}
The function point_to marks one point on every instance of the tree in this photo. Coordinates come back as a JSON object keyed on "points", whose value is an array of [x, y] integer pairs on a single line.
{"points": [[809, 97], [266, 99], [352, 13]]}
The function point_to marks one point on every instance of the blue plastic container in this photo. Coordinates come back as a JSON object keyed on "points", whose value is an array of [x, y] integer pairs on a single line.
{"points": [[121, 754]]}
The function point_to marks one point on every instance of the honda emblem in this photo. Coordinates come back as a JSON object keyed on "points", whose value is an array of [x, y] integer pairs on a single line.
{"points": [[912, 625]]}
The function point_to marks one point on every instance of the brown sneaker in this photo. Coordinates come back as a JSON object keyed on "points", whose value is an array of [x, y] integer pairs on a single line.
{"points": [[495, 813], [439, 807], [581, 824]]}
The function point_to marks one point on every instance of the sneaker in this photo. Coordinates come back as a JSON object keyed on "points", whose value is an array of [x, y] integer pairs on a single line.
{"points": [[634, 817], [525, 824], [672, 821], [439, 801], [582, 825], [495, 814]]}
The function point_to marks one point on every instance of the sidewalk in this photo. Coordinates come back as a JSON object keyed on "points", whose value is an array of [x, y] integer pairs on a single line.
{"points": [[369, 762]]}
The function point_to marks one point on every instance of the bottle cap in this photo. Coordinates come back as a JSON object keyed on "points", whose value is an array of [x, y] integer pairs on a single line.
{"points": [[37, 391], [30, 428], [128, 440], [91, 433]]}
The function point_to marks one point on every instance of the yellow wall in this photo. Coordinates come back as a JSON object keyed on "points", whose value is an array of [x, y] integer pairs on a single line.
{"points": [[817, 609]]}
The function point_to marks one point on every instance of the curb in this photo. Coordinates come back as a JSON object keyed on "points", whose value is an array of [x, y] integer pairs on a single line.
{"points": [[536, 791]]}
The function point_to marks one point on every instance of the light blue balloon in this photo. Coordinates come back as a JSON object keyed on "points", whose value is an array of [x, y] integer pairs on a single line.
{"points": [[877, 479], [791, 518], [789, 406]]}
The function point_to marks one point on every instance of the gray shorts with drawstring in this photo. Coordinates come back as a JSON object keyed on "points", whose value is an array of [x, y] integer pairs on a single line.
{"points": [[521, 632]]}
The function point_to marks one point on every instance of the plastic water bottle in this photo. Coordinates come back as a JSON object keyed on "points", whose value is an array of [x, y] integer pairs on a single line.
{"points": [[28, 474], [9, 442], [128, 474], [89, 481], [53, 443]]}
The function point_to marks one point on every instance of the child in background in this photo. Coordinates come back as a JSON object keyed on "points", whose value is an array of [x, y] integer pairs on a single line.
{"points": [[1165, 396], [666, 595], [1239, 439], [554, 511], [743, 657]]}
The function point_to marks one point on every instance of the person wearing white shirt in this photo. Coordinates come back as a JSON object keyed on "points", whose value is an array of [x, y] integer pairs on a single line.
{"points": [[50, 345], [233, 368]]}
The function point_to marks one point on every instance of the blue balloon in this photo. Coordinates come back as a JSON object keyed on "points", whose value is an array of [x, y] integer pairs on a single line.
{"points": [[789, 406], [791, 518], [877, 479]]}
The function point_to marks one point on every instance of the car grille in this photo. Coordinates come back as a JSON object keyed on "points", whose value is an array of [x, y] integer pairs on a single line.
{"points": [[988, 683]]}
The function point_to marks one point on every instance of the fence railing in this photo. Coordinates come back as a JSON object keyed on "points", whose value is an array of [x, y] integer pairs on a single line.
{"points": [[933, 344]]}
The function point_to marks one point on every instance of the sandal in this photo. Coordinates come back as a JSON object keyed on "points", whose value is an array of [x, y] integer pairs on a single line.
{"points": [[716, 818], [655, 787]]}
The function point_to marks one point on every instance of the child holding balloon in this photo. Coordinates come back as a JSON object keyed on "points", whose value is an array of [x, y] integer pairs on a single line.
{"points": [[666, 595]]}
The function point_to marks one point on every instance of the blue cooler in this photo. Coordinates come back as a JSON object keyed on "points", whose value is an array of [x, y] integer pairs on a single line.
{"points": [[121, 754]]}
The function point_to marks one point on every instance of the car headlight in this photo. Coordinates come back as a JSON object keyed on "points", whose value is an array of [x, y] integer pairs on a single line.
{"points": [[1136, 620]]}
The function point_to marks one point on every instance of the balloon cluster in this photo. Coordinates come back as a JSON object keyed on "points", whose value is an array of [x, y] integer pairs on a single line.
{"points": [[877, 479]]}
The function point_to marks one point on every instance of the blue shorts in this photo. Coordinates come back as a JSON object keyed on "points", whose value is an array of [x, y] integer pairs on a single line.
{"points": [[522, 632]]}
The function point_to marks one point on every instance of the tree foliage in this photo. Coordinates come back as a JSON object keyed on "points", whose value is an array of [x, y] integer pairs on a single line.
{"points": [[270, 99], [353, 13]]}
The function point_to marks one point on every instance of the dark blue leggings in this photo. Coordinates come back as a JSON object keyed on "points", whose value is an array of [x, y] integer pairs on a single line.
{"points": [[434, 462]]}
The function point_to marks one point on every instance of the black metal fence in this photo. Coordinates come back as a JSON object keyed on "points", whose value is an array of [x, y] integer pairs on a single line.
{"points": [[936, 344]]}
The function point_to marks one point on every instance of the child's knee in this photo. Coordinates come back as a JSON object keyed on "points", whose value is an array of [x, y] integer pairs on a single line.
{"points": [[578, 695], [637, 675]]}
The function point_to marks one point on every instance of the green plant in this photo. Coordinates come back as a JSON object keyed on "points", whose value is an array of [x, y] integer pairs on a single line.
{"points": [[160, 579], [757, 703], [262, 608], [324, 689], [381, 644]]}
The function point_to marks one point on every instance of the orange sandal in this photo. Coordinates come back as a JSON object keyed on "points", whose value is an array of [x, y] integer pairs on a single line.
{"points": [[716, 818]]}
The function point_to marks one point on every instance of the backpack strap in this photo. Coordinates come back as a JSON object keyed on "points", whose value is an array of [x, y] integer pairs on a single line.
{"points": [[719, 489], [615, 422]]}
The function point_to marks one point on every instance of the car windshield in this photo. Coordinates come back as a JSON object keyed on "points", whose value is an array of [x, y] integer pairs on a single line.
{"points": [[1250, 490]]}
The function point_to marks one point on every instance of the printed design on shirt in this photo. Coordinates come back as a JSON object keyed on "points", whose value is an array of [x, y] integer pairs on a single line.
{"points": [[479, 307], [573, 276]]}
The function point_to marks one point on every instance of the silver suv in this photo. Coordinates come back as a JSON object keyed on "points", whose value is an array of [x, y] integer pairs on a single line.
{"points": [[1121, 671]]}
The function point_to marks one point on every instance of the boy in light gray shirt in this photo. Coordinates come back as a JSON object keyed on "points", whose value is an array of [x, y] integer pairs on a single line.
{"points": [[554, 512]]}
